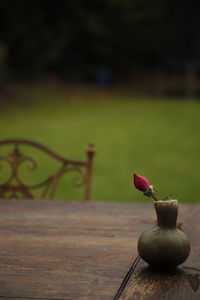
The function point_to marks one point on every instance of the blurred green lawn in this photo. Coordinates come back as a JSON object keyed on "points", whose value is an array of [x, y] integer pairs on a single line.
{"points": [[156, 138]]}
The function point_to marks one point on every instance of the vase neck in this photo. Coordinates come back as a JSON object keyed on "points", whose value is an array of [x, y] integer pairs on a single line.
{"points": [[167, 212]]}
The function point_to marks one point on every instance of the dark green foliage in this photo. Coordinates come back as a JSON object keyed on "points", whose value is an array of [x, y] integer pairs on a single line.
{"points": [[62, 36], [72, 38]]}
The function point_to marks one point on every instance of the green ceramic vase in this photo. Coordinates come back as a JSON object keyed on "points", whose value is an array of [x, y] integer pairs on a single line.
{"points": [[164, 246]]}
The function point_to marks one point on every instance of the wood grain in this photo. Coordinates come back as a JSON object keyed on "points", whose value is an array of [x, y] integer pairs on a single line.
{"points": [[184, 283], [67, 250], [87, 251]]}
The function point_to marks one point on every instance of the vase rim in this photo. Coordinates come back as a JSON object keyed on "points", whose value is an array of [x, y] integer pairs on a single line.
{"points": [[171, 202], [166, 201]]}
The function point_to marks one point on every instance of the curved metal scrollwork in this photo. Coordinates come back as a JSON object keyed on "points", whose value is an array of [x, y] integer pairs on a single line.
{"points": [[15, 187]]}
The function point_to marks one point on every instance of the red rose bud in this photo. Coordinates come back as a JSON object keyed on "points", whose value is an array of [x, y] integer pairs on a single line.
{"points": [[141, 183]]}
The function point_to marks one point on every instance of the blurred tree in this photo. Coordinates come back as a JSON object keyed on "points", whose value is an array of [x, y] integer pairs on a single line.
{"points": [[183, 23], [35, 33], [74, 38]]}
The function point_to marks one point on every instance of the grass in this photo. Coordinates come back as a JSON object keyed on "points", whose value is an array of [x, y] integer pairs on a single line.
{"points": [[157, 138]]}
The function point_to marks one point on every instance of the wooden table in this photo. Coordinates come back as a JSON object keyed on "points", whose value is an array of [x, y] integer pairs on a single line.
{"points": [[88, 251]]}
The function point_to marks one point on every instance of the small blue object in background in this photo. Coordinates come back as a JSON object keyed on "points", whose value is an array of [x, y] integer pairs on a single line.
{"points": [[103, 76]]}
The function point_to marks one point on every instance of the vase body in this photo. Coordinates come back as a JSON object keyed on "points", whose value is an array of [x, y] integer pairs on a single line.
{"points": [[164, 246]]}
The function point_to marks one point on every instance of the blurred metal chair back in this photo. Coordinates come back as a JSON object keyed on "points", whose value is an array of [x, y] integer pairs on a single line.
{"points": [[14, 186]]}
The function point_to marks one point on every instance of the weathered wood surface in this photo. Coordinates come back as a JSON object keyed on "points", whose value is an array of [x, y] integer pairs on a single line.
{"points": [[87, 251], [65, 250], [184, 283]]}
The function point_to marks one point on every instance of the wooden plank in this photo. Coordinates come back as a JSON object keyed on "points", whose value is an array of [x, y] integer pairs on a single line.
{"points": [[62, 250], [184, 283]]}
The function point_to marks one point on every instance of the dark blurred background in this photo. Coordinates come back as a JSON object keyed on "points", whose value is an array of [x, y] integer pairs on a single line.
{"points": [[123, 74], [101, 42]]}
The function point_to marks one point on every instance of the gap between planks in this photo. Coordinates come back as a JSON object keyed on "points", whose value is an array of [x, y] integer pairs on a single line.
{"points": [[126, 278]]}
